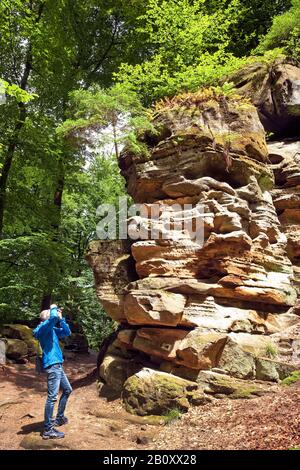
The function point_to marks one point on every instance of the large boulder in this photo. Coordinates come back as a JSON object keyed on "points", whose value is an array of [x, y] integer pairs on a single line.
{"points": [[248, 356], [285, 158], [151, 392], [21, 332], [275, 90], [16, 349], [153, 307], [273, 370], [237, 362], [214, 383], [115, 370], [196, 349], [201, 349]]}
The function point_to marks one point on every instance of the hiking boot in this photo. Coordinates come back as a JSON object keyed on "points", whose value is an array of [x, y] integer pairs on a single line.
{"points": [[53, 434], [61, 421]]}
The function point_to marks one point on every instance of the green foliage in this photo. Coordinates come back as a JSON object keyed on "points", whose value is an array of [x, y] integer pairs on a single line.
{"points": [[34, 264], [23, 262], [172, 415], [153, 81], [292, 378], [271, 350], [99, 183], [193, 45], [52, 48], [253, 21], [13, 90], [102, 117], [285, 32], [188, 48], [95, 323]]}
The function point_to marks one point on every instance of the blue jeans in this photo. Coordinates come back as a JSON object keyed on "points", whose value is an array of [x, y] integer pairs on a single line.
{"points": [[56, 378]]}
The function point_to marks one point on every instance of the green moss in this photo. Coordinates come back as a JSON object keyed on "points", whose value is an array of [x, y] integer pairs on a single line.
{"points": [[274, 267], [247, 392], [223, 138], [292, 378], [234, 388], [172, 415], [265, 182], [197, 398], [23, 333], [157, 394], [244, 106]]}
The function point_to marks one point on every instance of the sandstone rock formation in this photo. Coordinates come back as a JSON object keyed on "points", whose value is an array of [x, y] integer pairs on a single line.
{"points": [[216, 295], [275, 90], [285, 157]]}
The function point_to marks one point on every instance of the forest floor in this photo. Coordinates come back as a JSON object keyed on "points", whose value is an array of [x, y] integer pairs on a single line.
{"points": [[268, 422]]}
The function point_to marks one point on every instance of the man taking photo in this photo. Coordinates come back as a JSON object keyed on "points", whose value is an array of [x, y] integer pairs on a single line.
{"points": [[52, 328]]}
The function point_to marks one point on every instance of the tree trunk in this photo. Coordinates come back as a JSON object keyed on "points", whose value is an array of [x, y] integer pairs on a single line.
{"points": [[57, 202], [14, 140], [114, 126], [12, 144], [46, 302], [8, 162]]}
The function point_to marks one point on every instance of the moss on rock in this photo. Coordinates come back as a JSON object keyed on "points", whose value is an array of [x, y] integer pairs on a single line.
{"points": [[151, 392], [292, 378], [221, 384], [16, 349], [23, 333]]}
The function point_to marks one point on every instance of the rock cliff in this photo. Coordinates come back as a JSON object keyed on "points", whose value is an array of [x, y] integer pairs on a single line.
{"points": [[216, 297]]}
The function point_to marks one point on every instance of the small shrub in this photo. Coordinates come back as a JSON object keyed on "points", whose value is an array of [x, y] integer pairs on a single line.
{"points": [[271, 350], [172, 415], [292, 378]]}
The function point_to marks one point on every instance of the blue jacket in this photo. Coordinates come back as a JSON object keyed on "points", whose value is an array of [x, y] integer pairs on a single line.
{"points": [[48, 333]]}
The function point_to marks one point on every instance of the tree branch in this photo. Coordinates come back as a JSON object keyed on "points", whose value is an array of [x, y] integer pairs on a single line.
{"points": [[108, 49]]}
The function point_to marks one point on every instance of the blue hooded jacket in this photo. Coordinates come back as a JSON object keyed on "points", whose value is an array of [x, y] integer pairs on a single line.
{"points": [[48, 333]]}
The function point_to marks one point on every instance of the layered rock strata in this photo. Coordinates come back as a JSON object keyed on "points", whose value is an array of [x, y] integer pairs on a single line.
{"points": [[285, 156], [218, 292]]}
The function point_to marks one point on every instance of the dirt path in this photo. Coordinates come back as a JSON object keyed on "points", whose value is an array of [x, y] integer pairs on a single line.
{"points": [[269, 422], [95, 423]]}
